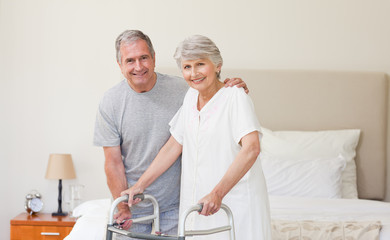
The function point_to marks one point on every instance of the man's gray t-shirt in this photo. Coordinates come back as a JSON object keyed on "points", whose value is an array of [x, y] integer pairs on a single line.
{"points": [[138, 122]]}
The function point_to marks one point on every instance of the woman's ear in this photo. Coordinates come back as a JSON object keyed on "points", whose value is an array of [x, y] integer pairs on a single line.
{"points": [[219, 67]]}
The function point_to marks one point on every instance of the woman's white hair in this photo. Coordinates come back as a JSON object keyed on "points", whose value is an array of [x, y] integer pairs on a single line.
{"points": [[198, 47]]}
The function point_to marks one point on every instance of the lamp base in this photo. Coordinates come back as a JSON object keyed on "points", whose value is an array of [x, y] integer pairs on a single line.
{"points": [[59, 214], [59, 211]]}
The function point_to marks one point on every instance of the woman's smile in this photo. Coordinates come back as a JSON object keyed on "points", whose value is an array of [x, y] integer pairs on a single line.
{"points": [[198, 80]]}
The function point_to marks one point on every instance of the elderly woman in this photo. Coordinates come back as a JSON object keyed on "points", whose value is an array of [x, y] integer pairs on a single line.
{"points": [[217, 132]]}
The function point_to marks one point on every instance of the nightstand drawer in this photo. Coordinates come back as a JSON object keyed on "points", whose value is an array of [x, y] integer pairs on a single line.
{"points": [[41, 226], [39, 232]]}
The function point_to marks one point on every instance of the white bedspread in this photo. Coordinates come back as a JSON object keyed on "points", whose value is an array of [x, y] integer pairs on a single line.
{"points": [[94, 214], [92, 220], [294, 208]]}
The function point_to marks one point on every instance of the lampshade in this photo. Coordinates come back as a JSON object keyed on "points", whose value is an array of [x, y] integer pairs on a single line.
{"points": [[60, 166]]}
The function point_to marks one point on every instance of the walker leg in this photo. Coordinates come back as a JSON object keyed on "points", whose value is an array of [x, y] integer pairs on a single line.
{"points": [[109, 234]]}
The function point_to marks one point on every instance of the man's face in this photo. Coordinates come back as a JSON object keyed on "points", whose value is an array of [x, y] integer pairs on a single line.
{"points": [[137, 65]]}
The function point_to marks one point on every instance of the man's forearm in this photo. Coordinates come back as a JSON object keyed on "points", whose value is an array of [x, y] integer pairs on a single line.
{"points": [[116, 179], [115, 170]]}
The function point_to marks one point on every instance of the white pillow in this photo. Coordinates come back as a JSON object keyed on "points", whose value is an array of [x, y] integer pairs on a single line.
{"points": [[92, 220], [303, 145], [317, 178], [92, 208]]}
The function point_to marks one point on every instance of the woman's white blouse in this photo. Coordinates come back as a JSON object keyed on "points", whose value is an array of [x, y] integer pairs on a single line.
{"points": [[211, 141]]}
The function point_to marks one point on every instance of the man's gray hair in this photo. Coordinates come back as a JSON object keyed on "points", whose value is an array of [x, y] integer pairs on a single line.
{"points": [[198, 47], [130, 36]]}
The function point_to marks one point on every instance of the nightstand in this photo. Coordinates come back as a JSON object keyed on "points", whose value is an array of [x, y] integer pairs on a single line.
{"points": [[40, 226]]}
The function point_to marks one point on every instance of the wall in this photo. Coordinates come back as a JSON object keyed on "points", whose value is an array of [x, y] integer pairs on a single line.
{"points": [[57, 58]]}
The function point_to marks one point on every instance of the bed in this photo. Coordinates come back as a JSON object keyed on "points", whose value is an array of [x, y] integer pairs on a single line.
{"points": [[324, 154]]}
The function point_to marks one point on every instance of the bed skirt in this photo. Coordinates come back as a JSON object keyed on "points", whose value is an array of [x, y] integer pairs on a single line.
{"points": [[319, 230]]}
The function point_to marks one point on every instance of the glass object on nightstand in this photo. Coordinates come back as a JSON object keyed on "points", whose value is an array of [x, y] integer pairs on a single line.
{"points": [[74, 196]]}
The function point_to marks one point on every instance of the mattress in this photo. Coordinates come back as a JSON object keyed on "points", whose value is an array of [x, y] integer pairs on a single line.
{"points": [[93, 215], [332, 211]]}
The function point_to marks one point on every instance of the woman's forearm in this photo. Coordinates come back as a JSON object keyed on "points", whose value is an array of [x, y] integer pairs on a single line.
{"points": [[164, 159], [241, 165]]}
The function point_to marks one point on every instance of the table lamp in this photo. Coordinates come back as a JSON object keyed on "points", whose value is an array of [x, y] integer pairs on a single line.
{"points": [[60, 167]]}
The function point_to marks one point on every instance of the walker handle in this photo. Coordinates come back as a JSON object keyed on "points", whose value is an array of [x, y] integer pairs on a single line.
{"points": [[155, 217], [125, 198], [182, 233], [139, 195], [200, 207]]}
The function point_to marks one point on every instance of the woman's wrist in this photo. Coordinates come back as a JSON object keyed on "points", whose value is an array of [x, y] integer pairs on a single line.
{"points": [[139, 187], [218, 192]]}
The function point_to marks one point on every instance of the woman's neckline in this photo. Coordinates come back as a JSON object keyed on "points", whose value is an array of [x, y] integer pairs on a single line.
{"points": [[199, 107]]}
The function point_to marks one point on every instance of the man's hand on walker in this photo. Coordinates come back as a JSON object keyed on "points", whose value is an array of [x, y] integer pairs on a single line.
{"points": [[123, 216]]}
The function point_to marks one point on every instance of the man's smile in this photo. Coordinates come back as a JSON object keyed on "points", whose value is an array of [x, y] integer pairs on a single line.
{"points": [[140, 74]]}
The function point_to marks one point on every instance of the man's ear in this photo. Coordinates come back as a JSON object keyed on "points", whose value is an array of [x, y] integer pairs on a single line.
{"points": [[120, 66]]}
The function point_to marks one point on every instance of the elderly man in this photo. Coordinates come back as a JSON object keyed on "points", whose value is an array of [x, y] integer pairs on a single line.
{"points": [[132, 125]]}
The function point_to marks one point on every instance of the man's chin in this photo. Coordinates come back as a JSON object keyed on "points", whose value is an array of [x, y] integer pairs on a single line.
{"points": [[140, 78]]}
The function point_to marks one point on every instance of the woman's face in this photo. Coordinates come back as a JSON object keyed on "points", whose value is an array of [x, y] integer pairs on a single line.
{"points": [[200, 74]]}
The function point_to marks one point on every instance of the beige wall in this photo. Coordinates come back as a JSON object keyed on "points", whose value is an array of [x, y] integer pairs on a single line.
{"points": [[57, 58]]}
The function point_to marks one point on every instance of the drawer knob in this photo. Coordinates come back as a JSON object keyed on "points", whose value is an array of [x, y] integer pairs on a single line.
{"points": [[50, 234]]}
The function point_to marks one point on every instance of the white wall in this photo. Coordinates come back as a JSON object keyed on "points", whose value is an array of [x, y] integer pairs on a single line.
{"points": [[57, 58]]}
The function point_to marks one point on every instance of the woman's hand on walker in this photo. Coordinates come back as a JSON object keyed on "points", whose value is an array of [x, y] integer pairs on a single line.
{"points": [[131, 192], [211, 204]]}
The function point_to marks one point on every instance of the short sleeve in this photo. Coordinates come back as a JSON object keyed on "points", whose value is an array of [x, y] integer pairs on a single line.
{"points": [[243, 115], [106, 133], [177, 126]]}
